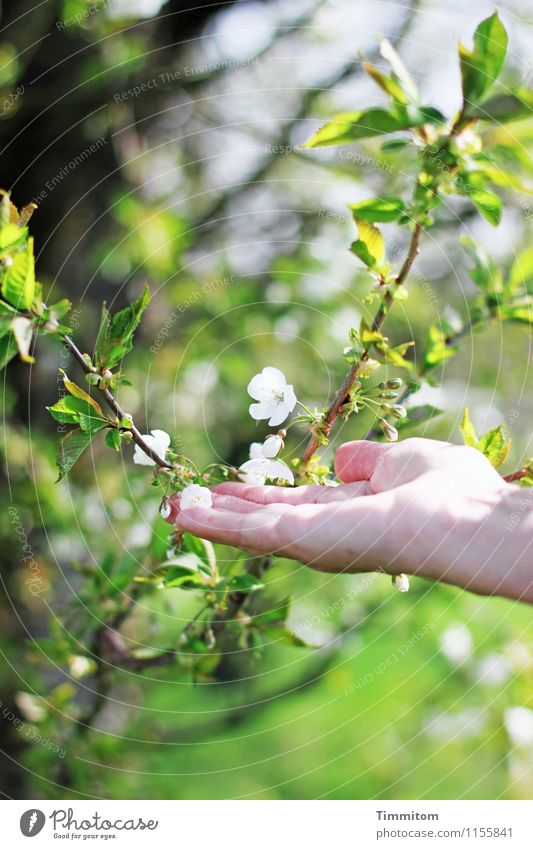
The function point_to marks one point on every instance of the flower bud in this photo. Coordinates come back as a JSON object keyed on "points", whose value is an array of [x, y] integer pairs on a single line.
{"points": [[165, 509], [401, 582], [399, 411], [391, 434], [394, 383]]}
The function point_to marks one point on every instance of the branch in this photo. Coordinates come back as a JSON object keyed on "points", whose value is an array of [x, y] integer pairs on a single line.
{"points": [[118, 411], [341, 395]]}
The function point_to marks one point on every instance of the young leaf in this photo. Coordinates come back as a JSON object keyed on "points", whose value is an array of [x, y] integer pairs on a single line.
{"points": [[437, 349], [70, 449], [115, 337], [80, 393], [18, 284], [489, 205], [391, 56], [112, 439], [11, 238], [485, 274], [378, 209], [388, 84], [481, 66], [495, 445], [468, 430], [370, 246], [351, 126]]}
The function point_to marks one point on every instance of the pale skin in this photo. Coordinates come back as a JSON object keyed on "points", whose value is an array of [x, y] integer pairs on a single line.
{"points": [[420, 507]]}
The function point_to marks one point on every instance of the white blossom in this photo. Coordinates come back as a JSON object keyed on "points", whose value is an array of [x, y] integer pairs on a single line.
{"points": [[518, 723], [259, 469], [276, 398], [158, 441], [270, 448], [195, 495], [401, 582]]}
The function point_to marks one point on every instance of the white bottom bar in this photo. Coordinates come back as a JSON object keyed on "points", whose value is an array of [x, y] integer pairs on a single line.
{"points": [[268, 824]]}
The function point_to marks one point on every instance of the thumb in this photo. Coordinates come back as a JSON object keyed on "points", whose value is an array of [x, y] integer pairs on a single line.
{"points": [[357, 461]]}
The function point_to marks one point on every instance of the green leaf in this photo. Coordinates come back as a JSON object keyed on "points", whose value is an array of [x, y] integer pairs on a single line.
{"points": [[489, 205], [378, 209], [481, 66], [396, 356], [388, 84], [485, 274], [202, 548], [115, 337], [280, 613], [18, 284], [521, 273], [495, 445], [59, 309], [437, 348], [351, 126], [468, 430], [521, 313], [70, 449], [404, 77], [68, 409], [80, 393], [182, 570], [12, 238], [501, 107], [8, 349], [370, 246], [245, 583], [112, 439]]}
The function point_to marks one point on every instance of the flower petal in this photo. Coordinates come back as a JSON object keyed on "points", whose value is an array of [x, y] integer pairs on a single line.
{"points": [[260, 411], [271, 446]]}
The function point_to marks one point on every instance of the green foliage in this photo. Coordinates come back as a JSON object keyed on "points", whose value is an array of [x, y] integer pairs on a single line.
{"points": [[378, 209], [115, 336], [481, 66], [494, 444], [353, 126]]}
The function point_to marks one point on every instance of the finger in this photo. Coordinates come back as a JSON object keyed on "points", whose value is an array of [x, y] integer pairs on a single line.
{"points": [[266, 494], [357, 461], [241, 505], [297, 495], [252, 531]]}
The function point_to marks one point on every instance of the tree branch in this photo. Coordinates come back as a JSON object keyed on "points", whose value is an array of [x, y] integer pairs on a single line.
{"points": [[117, 409], [341, 395]]}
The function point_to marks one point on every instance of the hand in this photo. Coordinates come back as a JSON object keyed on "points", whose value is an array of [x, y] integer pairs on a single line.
{"points": [[420, 506]]}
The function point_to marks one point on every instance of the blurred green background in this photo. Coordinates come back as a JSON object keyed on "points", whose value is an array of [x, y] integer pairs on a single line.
{"points": [[161, 144]]}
